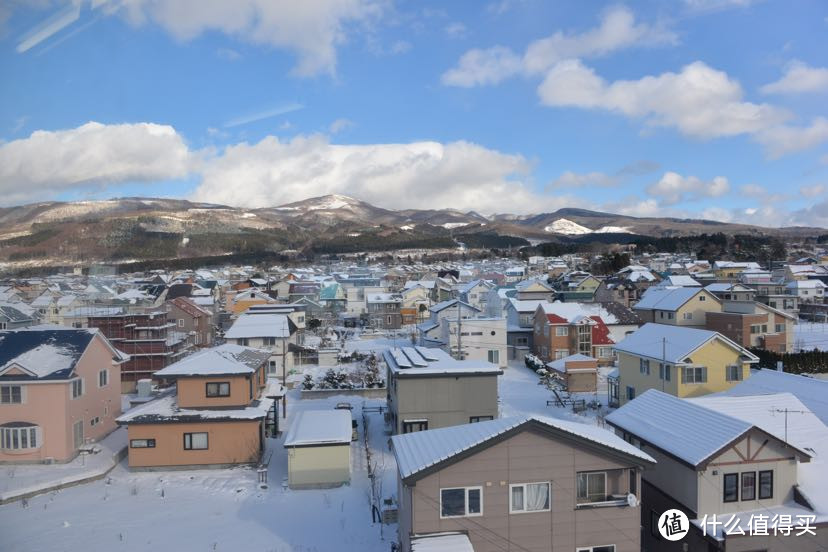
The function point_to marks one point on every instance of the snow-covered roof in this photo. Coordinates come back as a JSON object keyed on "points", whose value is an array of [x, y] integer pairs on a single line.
{"points": [[441, 542], [259, 325], [684, 429], [165, 409], [227, 359], [319, 427], [811, 392], [424, 361], [420, 450], [443, 305], [572, 312], [680, 280], [806, 284], [560, 364], [667, 298], [672, 343], [529, 305]]}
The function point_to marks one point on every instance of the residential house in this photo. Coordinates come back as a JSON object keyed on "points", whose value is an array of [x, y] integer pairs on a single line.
{"points": [[731, 291], [272, 332], [480, 339], [806, 290], [384, 310], [428, 389], [752, 324], [734, 458], [681, 361], [318, 447], [677, 306], [215, 417], [12, 318], [520, 323], [475, 293], [191, 319], [430, 332], [59, 390], [729, 270], [534, 290], [333, 299], [524, 483], [564, 329], [578, 373], [239, 301], [809, 390]]}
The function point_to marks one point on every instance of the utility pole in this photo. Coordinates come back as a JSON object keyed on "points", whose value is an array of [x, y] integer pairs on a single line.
{"points": [[663, 362], [785, 411], [459, 338]]}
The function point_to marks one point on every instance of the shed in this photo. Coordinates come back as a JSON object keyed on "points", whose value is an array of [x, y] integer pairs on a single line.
{"points": [[319, 449]]}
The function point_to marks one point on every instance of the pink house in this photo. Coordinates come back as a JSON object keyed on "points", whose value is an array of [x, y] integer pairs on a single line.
{"points": [[60, 388]]}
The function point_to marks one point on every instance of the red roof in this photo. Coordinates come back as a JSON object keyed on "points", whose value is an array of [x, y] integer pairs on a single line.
{"points": [[555, 319], [600, 332]]}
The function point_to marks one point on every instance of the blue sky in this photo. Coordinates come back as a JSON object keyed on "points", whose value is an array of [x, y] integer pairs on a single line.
{"points": [[703, 108]]}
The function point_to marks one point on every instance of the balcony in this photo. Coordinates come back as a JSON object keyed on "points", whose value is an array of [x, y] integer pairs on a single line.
{"points": [[605, 489]]}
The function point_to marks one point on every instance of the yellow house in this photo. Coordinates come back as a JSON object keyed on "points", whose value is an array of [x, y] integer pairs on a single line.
{"points": [[677, 306], [728, 270], [684, 362]]}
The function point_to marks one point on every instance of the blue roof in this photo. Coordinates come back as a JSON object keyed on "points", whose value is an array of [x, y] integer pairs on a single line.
{"points": [[46, 353]]}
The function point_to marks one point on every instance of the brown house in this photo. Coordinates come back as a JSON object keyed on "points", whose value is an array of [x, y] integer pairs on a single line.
{"points": [[215, 417], [525, 483], [754, 325], [192, 320]]}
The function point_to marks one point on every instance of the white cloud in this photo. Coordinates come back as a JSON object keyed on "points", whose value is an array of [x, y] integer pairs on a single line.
{"points": [[569, 179], [228, 54], [414, 175], [339, 125], [312, 30], [674, 188], [753, 190], [264, 114], [48, 162], [784, 139], [456, 30], [799, 78], [699, 100], [618, 30], [705, 6], [635, 206], [812, 191]]}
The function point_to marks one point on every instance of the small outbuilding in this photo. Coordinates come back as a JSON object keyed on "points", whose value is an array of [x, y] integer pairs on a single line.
{"points": [[319, 449], [580, 372]]}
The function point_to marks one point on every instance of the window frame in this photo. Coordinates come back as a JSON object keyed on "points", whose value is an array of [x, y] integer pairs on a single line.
{"points": [[611, 547], [105, 373], [725, 478], [702, 371], [478, 419], [218, 394], [11, 438], [644, 366], [736, 374], [466, 490], [759, 484], [512, 509], [561, 331], [75, 394], [742, 485], [190, 435], [11, 388], [149, 443], [419, 423], [586, 474]]}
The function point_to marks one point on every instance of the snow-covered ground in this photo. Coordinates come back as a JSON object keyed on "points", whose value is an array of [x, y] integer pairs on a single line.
{"points": [[226, 510], [810, 335]]}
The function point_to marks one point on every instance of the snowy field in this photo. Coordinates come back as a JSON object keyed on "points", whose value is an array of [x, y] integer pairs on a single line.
{"points": [[225, 510], [810, 335]]}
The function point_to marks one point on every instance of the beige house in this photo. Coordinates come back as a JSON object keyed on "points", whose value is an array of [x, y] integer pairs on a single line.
{"points": [[677, 306], [428, 389], [60, 389], [318, 447], [685, 362], [525, 483], [733, 458], [578, 372], [215, 417]]}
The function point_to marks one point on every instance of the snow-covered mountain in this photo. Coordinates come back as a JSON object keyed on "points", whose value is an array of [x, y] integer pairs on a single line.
{"points": [[567, 227]]}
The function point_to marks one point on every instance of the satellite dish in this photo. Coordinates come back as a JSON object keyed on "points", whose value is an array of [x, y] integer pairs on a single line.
{"points": [[632, 501]]}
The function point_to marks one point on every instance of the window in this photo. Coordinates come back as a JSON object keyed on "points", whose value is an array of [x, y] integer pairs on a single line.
{"points": [[195, 441], [268, 341], [779, 328], [644, 366], [77, 388], [461, 502], [630, 393], [95, 421], [561, 353], [702, 298], [529, 497], [731, 487], [664, 371], [19, 436], [688, 316], [671, 315], [561, 331], [748, 485], [654, 524], [243, 341], [218, 389], [604, 352], [592, 487], [494, 357], [180, 322], [142, 443], [410, 426], [602, 548], [11, 394], [103, 378], [755, 328], [476, 419], [733, 373], [694, 374], [522, 341], [765, 484]]}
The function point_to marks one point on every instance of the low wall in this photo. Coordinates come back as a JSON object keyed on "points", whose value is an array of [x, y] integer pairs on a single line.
{"points": [[369, 393]]}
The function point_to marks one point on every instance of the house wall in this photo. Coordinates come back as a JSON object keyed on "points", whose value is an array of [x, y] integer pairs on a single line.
{"points": [[582, 382], [479, 336], [698, 309], [192, 392], [236, 442], [629, 373], [524, 458], [316, 467], [444, 401]]}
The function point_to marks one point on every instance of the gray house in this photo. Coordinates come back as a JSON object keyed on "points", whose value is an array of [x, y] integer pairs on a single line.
{"points": [[525, 483], [428, 389]]}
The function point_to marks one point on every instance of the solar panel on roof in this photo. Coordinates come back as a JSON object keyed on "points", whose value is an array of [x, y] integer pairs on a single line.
{"points": [[415, 358]]}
